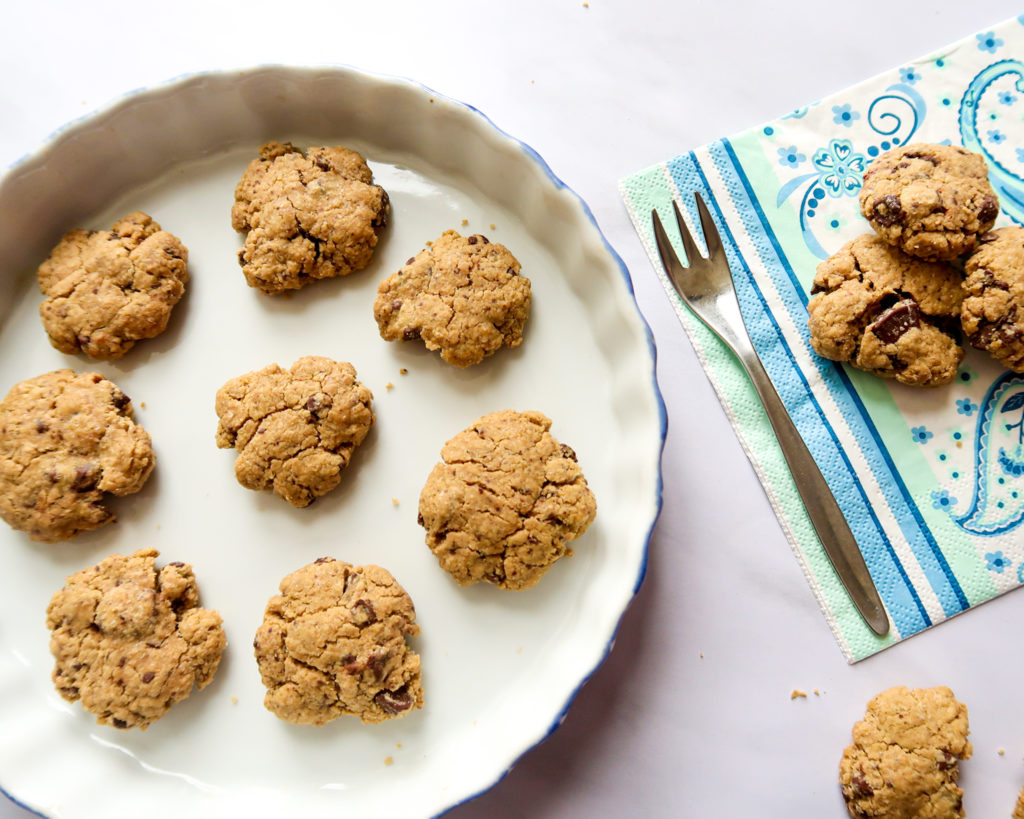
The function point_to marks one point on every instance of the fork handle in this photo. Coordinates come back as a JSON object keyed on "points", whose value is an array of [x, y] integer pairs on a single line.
{"points": [[827, 518]]}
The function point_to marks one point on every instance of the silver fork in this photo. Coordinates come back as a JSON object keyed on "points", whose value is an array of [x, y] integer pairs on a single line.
{"points": [[707, 288]]}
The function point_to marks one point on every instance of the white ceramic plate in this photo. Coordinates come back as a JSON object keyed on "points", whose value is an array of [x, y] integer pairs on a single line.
{"points": [[500, 668]]}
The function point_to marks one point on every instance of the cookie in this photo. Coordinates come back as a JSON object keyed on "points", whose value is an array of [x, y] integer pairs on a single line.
{"points": [[1018, 809], [307, 215], [107, 289], [295, 429], [887, 313], [504, 501], [333, 642], [993, 308], [931, 201], [462, 295], [130, 640], [65, 441], [904, 759]]}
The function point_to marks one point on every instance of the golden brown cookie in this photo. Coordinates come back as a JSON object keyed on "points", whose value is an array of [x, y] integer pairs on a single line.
{"points": [[504, 501], [993, 308], [462, 295], [295, 429], [903, 762], [107, 289], [333, 642], [307, 215], [931, 201], [130, 640], [887, 313], [1018, 809], [65, 440]]}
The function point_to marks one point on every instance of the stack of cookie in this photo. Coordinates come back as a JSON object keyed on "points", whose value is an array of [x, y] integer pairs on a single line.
{"points": [[896, 303]]}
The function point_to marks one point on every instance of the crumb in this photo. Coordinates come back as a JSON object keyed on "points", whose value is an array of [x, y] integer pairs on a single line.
{"points": [[429, 243], [959, 444], [394, 501], [1001, 752], [431, 100], [388, 760], [532, 82], [519, 650], [403, 371], [569, 552], [702, 655], [398, 745], [817, 693], [493, 227], [389, 386], [286, 296], [798, 693], [586, 5], [142, 405], [465, 222], [234, 700], [474, 723]]}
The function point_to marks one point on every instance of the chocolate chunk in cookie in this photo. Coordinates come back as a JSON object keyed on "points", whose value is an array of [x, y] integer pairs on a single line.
{"points": [[65, 441], [107, 289], [130, 640], [931, 201], [307, 215], [993, 308], [463, 295], [888, 313], [295, 429], [904, 759], [504, 501], [333, 642]]}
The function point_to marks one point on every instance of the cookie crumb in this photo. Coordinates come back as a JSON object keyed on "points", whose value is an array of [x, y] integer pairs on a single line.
{"points": [[389, 386], [465, 222], [143, 404], [702, 655], [403, 371], [586, 5], [798, 693], [398, 744], [234, 700], [388, 760], [1001, 752], [569, 552], [493, 226], [394, 501], [817, 693]]}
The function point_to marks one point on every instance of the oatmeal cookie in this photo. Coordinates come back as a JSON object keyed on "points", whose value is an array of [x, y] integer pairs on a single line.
{"points": [[461, 295], [295, 429], [504, 501], [130, 640], [1018, 809], [887, 313], [307, 215], [333, 642], [993, 309], [903, 762], [931, 201], [107, 289], [65, 440]]}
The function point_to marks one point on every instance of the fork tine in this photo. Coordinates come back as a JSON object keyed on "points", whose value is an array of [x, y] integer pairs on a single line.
{"points": [[711, 236], [693, 255], [669, 259]]}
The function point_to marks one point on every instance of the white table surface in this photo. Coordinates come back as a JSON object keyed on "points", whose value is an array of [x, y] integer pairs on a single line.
{"points": [[691, 715]]}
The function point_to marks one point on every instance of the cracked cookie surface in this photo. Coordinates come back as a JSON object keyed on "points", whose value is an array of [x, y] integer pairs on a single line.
{"points": [[65, 441], [107, 289], [887, 313], [333, 642], [294, 429], [903, 762], [931, 201], [504, 501], [130, 640], [307, 215], [993, 308], [462, 295]]}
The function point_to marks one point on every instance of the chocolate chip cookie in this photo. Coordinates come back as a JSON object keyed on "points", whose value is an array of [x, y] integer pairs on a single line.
{"points": [[887, 313], [130, 640], [65, 441], [333, 642], [107, 289], [904, 759], [993, 308], [307, 215], [931, 201], [294, 429], [504, 501], [462, 295]]}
